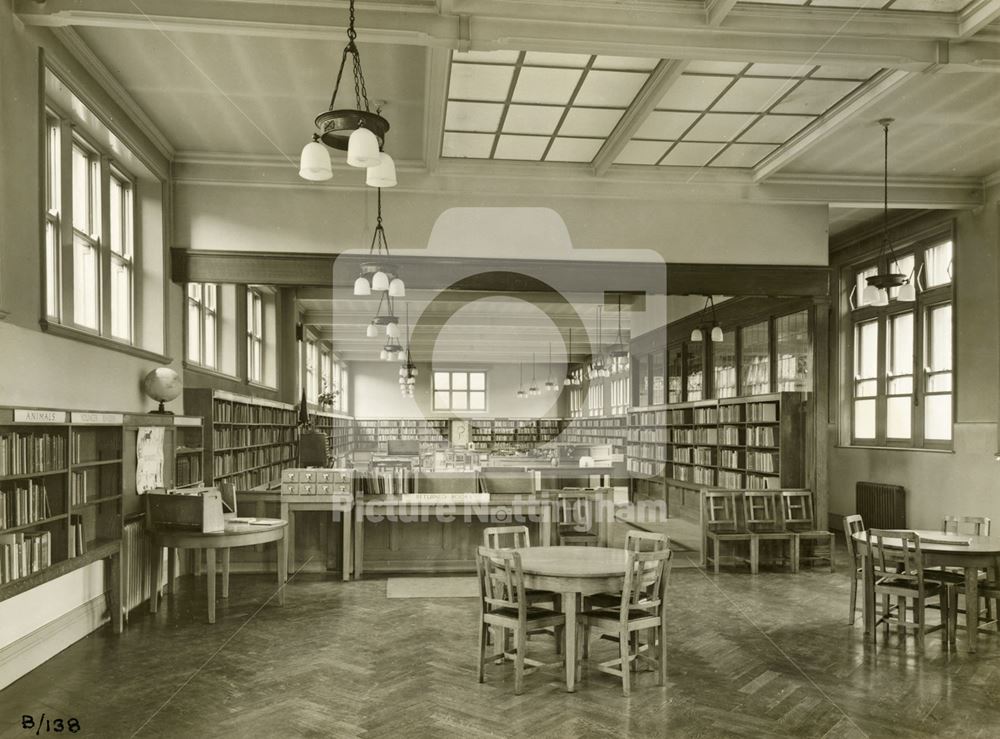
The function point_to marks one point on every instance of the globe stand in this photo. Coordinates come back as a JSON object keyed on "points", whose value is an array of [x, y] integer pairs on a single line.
{"points": [[162, 411]]}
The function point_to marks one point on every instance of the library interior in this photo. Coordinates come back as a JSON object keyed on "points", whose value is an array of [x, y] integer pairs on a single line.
{"points": [[590, 348]]}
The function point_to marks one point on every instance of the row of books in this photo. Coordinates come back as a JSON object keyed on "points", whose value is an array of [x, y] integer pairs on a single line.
{"points": [[28, 453], [77, 539], [706, 415], [255, 478], [24, 553], [762, 461], [647, 451], [761, 436], [227, 412], [187, 469], [762, 412], [244, 436], [232, 461], [695, 436], [25, 503], [390, 481], [644, 467], [657, 435]]}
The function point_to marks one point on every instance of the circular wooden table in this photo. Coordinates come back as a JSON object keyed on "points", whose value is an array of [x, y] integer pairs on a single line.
{"points": [[971, 553], [236, 534], [573, 572]]}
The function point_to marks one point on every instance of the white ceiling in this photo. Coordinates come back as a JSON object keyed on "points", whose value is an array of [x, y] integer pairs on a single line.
{"points": [[758, 94]]}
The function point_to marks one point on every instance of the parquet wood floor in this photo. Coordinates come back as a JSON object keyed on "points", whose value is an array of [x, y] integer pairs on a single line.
{"points": [[749, 657]]}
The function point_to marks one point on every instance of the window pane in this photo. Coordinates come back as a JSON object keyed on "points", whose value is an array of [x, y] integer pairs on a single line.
{"points": [[794, 352], [53, 201], [459, 381], [866, 350], [477, 401], [643, 380], [477, 380], [695, 375], [864, 419], [52, 269], [441, 380], [938, 338], [82, 181], [860, 283], [657, 373], [724, 365], [194, 331], [194, 291], [937, 417], [441, 400], [85, 276], [903, 266], [121, 299], [900, 417], [209, 291], [675, 368], [116, 207], [459, 401], [209, 358], [937, 265], [755, 359], [901, 344]]}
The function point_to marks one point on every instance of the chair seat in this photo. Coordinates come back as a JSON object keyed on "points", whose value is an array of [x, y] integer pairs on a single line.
{"points": [[535, 617], [539, 596], [772, 535], [950, 577], [900, 586], [729, 535], [816, 534], [611, 619]]}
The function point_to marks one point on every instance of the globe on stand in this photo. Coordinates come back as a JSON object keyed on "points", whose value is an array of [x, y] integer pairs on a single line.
{"points": [[162, 384]]}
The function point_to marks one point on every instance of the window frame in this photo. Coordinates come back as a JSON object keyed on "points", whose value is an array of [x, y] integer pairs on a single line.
{"points": [[451, 371], [206, 314], [926, 299], [254, 306]]}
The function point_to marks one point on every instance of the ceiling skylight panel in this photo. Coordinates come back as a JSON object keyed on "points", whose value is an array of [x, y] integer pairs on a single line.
{"points": [[467, 145], [479, 82], [549, 59], [779, 70], [665, 125], [610, 89], [753, 95], [699, 66], [521, 147], [742, 155], [844, 73], [540, 119], [543, 85], [642, 152], [494, 57], [719, 127], [814, 96], [472, 116], [565, 149], [590, 122], [776, 129], [632, 63], [691, 155], [693, 92]]}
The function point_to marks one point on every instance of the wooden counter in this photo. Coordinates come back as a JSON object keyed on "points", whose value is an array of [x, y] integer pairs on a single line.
{"points": [[392, 534]]}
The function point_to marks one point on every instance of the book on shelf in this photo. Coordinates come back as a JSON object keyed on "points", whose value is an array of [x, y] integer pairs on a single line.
{"points": [[77, 540], [22, 554], [24, 453], [24, 503]]}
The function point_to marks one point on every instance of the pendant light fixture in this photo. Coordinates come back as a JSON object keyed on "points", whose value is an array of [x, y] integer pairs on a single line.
{"points": [[571, 379], [550, 385], [619, 352], [877, 291], [716, 331], [378, 274], [520, 381], [533, 388], [389, 319], [598, 367], [408, 372], [357, 130]]}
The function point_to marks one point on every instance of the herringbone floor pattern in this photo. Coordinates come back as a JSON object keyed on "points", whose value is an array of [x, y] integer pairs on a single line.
{"points": [[764, 656]]}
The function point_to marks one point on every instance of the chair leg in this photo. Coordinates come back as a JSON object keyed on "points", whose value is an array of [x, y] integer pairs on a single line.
{"points": [[661, 677], [623, 642], [795, 544], [833, 544], [920, 616], [943, 598], [754, 555], [715, 554], [854, 597], [901, 605], [483, 631], [519, 660]]}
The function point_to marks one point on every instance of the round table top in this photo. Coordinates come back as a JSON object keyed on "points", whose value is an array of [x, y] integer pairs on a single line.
{"points": [[938, 541], [573, 561], [236, 533]]}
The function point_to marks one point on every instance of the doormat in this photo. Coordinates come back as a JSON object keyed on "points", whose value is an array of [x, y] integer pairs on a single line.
{"points": [[431, 587]]}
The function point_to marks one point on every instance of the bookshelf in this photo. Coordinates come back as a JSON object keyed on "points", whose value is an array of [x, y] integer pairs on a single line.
{"points": [[754, 442], [599, 430], [430, 432], [247, 441], [339, 430], [189, 451], [61, 492]]}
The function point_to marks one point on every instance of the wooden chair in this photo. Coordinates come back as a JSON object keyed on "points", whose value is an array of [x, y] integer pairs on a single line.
{"points": [[852, 525], [797, 515], [640, 608], [504, 606], [899, 573], [722, 526], [762, 517], [575, 525], [989, 583], [645, 541]]}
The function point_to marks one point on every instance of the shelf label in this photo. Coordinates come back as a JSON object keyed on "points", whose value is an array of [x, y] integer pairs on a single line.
{"points": [[23, 415], [116, 419], [187, 420]]}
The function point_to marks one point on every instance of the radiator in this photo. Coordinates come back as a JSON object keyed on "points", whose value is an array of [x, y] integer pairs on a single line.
{"points": [[881, 506], [135, 565]]}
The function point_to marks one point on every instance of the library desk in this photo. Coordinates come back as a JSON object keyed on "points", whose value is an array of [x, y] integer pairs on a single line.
{"points": [[429, 536], [236, 534], [972, 553], [292, 504]]}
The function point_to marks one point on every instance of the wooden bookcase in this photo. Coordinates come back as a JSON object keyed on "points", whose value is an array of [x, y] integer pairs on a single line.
{"points": [[189, 451], [247, 441], [339, 430], [61, 490], [598, 430], [430, 432], [756, 442]]}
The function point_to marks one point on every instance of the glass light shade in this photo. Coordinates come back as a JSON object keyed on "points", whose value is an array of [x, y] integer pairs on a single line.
{"points": [[567, 382], [414, 371], [696, 335], [372, 331], [907, 293], [411, 380], [716, 334], [396, 288], [362, 287], [882, 299], [870, 294], [362, 149], [392, 330], [383, 355], [380, 281], [402, 371], [314, 164], [382, 174]]}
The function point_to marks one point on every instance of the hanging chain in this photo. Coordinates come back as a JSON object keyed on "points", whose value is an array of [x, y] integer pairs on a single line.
{"points": [[360, 91]]}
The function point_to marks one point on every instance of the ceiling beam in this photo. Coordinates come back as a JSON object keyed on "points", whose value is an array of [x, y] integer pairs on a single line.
{"points": [[717, 10], [660, 80], [976, 17], [791, 35], [435, 97], [876, 88], [467, 182]]}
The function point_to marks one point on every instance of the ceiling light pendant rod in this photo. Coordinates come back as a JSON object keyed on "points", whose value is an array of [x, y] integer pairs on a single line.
{"points": [[569, 361]]}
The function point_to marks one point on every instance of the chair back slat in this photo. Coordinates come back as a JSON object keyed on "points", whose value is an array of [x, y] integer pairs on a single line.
{"points": [[760, 510], [852, 525], [899, 560], [797, 510], [974, 525], [645, 541], [574, 511], [720, 511], [501, 580], [645, 580], [506, 537]]}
